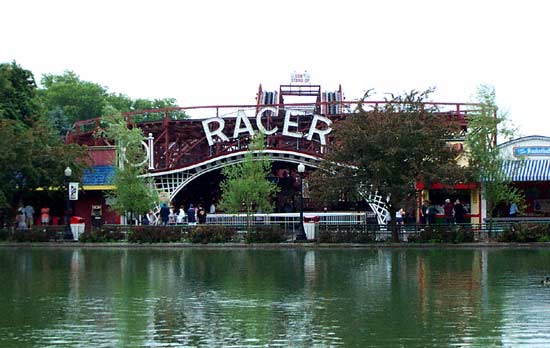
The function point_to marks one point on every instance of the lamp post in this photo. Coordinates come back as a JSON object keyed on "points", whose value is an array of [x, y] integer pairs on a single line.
{"points": [[68, 235], [301, 235]]}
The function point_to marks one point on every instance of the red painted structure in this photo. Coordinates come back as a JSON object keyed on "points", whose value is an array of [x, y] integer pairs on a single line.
{"points": [[182, 142]]}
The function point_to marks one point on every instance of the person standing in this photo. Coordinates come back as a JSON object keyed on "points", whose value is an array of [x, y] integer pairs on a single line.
{"points": [[152, 218], [45, 216], [212, 209], [164, 215], [400, 216], [20, 220], [513, 210], [144, 220], [459, 212], [424, 213], [201, 215], [431, 214], [191, 219], [448, 210], [29, 215], [172, 217], [180, 216]]}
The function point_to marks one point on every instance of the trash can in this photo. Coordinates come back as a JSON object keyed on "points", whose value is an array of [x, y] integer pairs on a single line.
{"points": [[311, 226], [77, 226]]}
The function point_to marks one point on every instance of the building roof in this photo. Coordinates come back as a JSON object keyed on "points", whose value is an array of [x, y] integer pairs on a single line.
{"points": [[524, 139], [98, 177]]}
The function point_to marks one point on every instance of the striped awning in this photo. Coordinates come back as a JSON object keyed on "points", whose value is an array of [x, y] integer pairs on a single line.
{"points": [[528, 170]]}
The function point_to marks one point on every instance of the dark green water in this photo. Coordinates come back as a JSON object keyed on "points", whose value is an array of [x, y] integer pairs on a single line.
{"points": [[274, 298]]}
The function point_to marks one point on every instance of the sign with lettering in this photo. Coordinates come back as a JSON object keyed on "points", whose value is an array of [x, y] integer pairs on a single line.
{"points": [[73, 191], [531, 151], [243, 125], [300, 77]]}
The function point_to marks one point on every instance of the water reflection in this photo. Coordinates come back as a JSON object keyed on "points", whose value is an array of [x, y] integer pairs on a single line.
{"points": [[260, 297]]}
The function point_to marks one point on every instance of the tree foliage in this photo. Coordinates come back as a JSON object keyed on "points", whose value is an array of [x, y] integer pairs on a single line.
{"points": [[485, 158], [389, 147], [33, 155], [68, 99], [134, 193], [79, 100], [17, 94], [245, 186]]}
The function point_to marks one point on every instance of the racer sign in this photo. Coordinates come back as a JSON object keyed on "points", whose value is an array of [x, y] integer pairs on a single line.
{"points": [[243, 125]]}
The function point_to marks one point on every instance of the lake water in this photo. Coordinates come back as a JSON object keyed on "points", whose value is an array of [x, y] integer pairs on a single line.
{"points": [[52, 297]]}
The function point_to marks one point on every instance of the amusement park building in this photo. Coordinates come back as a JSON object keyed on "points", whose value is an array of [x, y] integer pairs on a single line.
{"points": [[527, 166], [296, 120]]}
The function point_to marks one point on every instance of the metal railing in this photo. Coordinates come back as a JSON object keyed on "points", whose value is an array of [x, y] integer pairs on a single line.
{"points": [[335, 228], [289, 219]]}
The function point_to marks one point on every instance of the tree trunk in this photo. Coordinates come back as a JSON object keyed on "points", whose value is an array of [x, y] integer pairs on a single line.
{"points": [[490, 217]]}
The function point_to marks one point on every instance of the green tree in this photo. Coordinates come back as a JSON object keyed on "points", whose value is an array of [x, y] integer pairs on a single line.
{"points": [[68, 99], [59, 121], [245, 186], [79, 100], [486, 162], [17, 94], [134, 193], [389, 147], [124, 103], [33, 155]]}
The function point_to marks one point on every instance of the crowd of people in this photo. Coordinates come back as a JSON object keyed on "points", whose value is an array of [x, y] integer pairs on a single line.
{"points": [[452, 212], [26, 217], [169, 216]]}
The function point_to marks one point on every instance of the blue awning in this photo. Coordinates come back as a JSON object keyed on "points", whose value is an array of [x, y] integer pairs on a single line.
{"points": [[98, 175], [528, 170]]}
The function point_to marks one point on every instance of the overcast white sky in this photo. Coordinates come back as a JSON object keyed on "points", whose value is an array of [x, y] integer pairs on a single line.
{"points": [[206, 52]]}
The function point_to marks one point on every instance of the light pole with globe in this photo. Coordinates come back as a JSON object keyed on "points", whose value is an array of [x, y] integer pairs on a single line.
{"points": [[68, 235], [301, 235]]}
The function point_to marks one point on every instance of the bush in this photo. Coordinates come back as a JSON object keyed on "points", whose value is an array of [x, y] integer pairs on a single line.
{"points": [[102, 235], [5, 234], [31, 235], [462, 234], [444, 234], [266, 234], [348, 234], [205, 234], [155, 234], [525, 233]]}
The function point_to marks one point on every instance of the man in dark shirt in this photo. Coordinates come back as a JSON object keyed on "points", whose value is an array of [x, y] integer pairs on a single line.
{"points": [[459, 212], [191, 215], [164, 213], [448, 209], [201, 215]]}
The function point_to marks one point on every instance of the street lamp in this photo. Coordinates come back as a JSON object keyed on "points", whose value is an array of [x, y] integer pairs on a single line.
{"points": [[68, 233], [301, 235]]}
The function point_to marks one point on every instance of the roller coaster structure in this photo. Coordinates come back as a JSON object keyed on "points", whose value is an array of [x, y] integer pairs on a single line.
{"points": [[184, 143]]}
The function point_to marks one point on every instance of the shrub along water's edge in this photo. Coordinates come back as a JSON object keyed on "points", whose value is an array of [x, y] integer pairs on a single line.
{"points": [[355, 235]]}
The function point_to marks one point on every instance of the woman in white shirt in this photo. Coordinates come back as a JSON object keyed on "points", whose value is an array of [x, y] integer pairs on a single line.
{"points": [[180, 216]]}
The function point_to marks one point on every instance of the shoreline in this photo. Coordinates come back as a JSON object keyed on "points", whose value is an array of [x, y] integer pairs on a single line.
{"points": [[301, 245]]}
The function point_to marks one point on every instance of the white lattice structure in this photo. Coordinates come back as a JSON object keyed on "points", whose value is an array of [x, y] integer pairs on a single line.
{"points": [[173, 181], [377, 203]]}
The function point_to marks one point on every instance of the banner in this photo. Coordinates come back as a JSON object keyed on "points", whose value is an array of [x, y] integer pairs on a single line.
{"points": [[164, 197], [73, 191]]}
